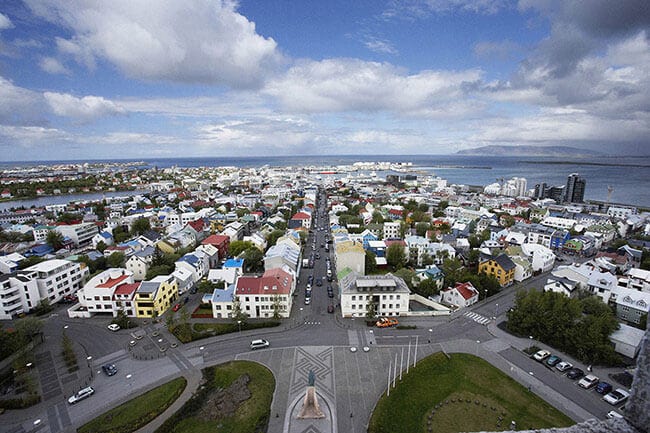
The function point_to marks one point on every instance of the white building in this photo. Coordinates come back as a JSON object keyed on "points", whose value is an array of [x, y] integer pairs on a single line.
{"points": [[541, 258], [460, 296], [56, 278], [389, 295], [267, 295], [80, 234], [18, 295], [392, 230], [97, 294]]}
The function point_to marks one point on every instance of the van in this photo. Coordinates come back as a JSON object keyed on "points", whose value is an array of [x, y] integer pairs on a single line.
{"points": [[84, 393], [259, 344]]}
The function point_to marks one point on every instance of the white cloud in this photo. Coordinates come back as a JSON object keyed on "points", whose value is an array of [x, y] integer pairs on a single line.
{"points": [[85, 108], [501, 50], [351, 84], [380, 46], [33, 135], [53, 66], [19, 105], [5, 22], [197, 41], [423, 8]]}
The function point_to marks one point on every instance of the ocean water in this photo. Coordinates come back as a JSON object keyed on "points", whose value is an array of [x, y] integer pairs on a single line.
{"points": [[628, 176]]}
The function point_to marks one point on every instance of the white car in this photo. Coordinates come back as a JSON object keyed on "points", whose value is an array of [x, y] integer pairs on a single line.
{"points": [[541, 355], [259, 344], [564, 366], [612, 414], [114, 327], [83, 393], [588, 381], [617, 396]]}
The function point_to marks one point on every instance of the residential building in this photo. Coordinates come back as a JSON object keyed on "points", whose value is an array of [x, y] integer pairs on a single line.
{"points": [[461, 295], [562, 285], [501, 267], [387, 293], [631, 305], [268, 295], [220, 242], [541, 258], [56, 278], [97, 294], [575, 188], [392, 230], [18, 295], [80, 234], [222, 302], [285, 254], [636, 279], [140, 262], [350, 254], [154, 297], [123, 299]]}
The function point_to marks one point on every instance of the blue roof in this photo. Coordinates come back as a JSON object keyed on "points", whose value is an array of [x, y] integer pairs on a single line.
{"points": [[189, 258], [233, 263], [106, 235], [221, 295]]}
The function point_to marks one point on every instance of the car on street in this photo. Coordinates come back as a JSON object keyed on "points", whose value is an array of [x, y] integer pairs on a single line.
{"points": [[574, 373], [603, 388], [330, 308], [114, 327], [589, 381], [616, 397], [541, 355], [176, 307], [612, 414], [259, 344], [81, 394], [307, 300], [553, 360], [563, 365], [109, 369], [386, 322], [319, 282]]}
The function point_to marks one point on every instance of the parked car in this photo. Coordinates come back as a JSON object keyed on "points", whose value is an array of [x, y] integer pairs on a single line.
{"points": [[83, 393], [574, 373], [114, 327], [612, 414], [259, 344], [176, 307], [616, 397], [589, 381], [386, 322], [603, 388], [307, 300], [319, 282], [109, 369], [330, 308], [563, 365], [553, 360], [541, 355]]}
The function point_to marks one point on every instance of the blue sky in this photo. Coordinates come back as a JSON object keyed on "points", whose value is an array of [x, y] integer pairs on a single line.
{"points": [[82, 79]]}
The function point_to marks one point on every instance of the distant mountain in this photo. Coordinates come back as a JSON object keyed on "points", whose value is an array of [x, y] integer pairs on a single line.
{"points": [[523, 150]]}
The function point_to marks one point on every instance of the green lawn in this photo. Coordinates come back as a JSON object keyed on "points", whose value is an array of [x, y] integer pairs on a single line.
{"points": [[449, 383], [137, 412], [251, 416]]}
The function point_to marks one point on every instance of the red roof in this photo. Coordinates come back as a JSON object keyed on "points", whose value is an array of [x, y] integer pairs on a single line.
{"points": [[126, 289], [197, 225], [215, 240], [390, 242], [466, 290], [112, 282], [277, 278], [301, 216]]}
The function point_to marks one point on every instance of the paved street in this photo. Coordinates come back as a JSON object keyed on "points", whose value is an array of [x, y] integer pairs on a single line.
{"points": [[348, 383]]}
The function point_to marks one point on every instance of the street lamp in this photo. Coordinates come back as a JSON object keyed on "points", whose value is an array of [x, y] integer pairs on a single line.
{"points": [[430, 334], [496, 310], [239, 324], [477, 343]]}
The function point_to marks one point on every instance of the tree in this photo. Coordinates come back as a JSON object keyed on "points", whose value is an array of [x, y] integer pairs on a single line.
{"points": [[101, 246], [427, 287], [115, 260], [140, 226], [377, 217], [120, 235], [273, 237], [238, 247], [370, 263], [508, 220], [254, 260], [473, 256], [276, 306], [67, 218], [237, 313], [29, 327], [407, 275], [371, 310], [453, 270], [395, 256], [421, 228], [54, 239]]}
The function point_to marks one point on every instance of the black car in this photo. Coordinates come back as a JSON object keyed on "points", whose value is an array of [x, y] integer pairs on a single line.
{"points": [[310, 280], [319, 282], [109, 369], [575, 373]]}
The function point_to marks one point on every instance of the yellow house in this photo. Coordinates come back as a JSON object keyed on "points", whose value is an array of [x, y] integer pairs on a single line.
{"points": [[168, 246], [154, 297], [501, 267]]}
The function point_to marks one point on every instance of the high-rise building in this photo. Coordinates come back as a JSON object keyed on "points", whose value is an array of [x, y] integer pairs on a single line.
{"points": [[575, 188], [540, 190]]}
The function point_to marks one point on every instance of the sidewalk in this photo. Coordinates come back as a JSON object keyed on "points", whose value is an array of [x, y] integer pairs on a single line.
{"points": [[194, 378]]}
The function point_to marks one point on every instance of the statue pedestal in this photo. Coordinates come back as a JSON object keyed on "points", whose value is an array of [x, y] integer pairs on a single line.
{"points": [[310, 408]]}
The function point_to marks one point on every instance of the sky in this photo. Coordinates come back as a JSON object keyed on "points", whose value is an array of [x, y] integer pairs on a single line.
{"points": [[83, 79]]}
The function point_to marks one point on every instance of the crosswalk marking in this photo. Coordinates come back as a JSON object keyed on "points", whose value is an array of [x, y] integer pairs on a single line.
{"points": [[312, 323], [477, 318]]}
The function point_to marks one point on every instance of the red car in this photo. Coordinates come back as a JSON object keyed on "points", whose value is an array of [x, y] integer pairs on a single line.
{"points": [[176, 307]]}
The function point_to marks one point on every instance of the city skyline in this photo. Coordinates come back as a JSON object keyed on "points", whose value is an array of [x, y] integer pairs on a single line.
{"points": [[101, 80]]}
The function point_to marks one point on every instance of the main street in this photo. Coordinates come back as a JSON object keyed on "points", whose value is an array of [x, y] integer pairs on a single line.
{"points": [[349, 382]]}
